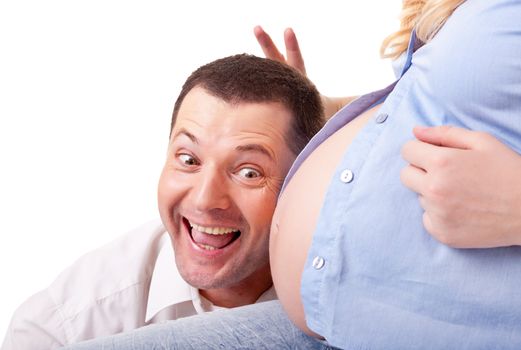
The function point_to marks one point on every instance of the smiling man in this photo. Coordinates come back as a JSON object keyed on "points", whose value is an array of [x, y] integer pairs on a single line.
{"points": [[217, 192], [237, 126]]}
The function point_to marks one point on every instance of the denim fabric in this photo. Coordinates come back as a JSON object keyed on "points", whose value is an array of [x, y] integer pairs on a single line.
{"points": [[259, 326]]}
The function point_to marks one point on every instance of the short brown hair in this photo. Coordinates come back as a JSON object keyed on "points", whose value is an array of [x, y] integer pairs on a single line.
{"points": [[251, 79]]}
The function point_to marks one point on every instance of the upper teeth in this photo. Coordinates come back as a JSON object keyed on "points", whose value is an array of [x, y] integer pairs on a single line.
{"points": [[212, 230]]}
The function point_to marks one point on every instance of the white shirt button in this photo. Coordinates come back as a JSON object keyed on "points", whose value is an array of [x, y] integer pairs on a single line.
{"points": [[318, 262], [382, 117], [346, 176]]}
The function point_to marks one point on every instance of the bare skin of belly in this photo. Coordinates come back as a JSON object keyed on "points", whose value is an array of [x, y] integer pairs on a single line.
{"points": [[297, 212]]}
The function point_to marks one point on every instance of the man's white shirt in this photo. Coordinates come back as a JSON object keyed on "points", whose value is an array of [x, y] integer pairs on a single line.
{"points": [[126, 284]]}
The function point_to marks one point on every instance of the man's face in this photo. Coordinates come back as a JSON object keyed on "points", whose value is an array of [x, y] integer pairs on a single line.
{"points": [[217, 192]]}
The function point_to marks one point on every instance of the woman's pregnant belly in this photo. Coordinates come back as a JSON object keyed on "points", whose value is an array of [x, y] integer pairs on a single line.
{"points": [[297, 212]]}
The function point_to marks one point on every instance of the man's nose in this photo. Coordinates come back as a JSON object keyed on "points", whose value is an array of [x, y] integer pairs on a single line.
{"points": [[211, 191]]}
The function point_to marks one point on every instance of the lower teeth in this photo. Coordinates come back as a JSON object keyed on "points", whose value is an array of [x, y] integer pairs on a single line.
{"points": [[206, 247]]}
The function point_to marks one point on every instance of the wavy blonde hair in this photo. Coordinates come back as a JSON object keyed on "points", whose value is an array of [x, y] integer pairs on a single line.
{"points": [[426, 16]]}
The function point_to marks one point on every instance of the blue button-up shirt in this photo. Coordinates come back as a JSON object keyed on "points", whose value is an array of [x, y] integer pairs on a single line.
{"points": [[374, 278]]}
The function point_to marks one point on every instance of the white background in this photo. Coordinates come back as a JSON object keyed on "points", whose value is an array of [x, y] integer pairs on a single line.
{"points": [[86, 93]]}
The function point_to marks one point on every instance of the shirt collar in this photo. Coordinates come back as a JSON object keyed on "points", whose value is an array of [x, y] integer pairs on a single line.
{"points": [[405, 60], [167, 287]]}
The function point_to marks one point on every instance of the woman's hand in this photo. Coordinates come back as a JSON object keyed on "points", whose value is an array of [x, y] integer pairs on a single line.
{"points": [[294, 59], [293, 53], [469, 185]]}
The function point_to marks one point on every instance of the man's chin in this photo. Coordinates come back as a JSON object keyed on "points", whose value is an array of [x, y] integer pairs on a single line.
{"points": [[205, 281]]}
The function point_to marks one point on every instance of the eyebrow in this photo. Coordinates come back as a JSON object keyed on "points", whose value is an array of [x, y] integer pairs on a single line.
{"points": [[188, 134], [254, 148], [251, 147]]}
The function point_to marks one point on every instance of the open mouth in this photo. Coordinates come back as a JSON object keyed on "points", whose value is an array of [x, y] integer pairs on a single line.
{"points": [[211, 238]]}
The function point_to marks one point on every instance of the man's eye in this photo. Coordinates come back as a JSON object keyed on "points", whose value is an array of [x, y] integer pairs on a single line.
{"points": [[249, 173], [187, 159]]}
